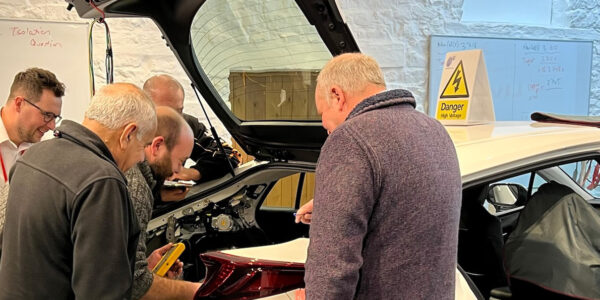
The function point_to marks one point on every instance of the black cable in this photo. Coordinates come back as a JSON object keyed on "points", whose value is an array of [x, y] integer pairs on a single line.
{"points": [[214, 132]]}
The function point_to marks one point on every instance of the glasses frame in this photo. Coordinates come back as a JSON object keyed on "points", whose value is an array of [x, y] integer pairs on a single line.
{"points": [[46, 115]]}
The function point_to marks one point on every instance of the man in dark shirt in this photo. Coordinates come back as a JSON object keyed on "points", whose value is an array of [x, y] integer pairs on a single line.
{"points": [[166, 91], [71, 231]]}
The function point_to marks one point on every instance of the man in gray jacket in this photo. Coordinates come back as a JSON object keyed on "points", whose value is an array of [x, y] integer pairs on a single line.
{"points": [[70, 231], [387, 194]]}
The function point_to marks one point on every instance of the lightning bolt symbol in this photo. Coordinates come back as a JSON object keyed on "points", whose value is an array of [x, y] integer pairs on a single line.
{"points": [[456, 81]]}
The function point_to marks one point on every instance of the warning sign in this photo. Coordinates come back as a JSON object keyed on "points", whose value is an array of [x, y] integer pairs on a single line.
{"points": [[457, 85], [452, 109], [465, 94]]}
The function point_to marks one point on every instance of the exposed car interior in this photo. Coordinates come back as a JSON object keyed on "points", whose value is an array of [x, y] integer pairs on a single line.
{"points": [[491, 212], [238, 215]]}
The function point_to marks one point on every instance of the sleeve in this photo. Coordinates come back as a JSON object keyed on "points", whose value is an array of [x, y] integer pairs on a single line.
{"points": [[345, 193], [104, 237], [209, 165], [3, 200], [198, 128], [142, 277], [141, 198], [212, 167]]}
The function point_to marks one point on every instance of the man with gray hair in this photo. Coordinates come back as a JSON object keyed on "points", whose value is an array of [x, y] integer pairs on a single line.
{"points": [[71, 231], [377, 230]]}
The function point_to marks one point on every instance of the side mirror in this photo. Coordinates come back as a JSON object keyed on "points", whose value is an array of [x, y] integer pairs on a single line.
{"points": [[507, 195]]}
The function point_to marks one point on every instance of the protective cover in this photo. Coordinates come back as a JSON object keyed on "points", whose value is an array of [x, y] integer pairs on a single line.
{"points": [[556, 244]]}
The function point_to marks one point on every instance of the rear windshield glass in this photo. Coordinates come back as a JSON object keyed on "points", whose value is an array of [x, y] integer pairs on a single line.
{"points": [[262, 57]]}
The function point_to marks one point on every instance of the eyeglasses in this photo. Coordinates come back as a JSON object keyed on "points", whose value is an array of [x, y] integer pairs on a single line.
{"points": [[48, 116]]}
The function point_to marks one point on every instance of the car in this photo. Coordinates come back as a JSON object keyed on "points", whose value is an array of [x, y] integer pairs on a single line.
{"points": [[255, 64]]}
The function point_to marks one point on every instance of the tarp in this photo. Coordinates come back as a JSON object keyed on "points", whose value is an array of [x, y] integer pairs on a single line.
{"points": [[556, 243], [566, 119]]}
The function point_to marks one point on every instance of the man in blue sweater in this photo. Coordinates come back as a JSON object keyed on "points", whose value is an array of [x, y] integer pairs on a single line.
{"points": [[387, 194]]}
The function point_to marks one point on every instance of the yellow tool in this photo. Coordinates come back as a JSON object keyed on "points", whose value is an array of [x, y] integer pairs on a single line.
{"points": [[168, 259]]}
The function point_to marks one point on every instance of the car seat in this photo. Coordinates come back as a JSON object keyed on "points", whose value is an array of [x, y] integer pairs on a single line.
{"points": [[553, 251], [480, 242]]}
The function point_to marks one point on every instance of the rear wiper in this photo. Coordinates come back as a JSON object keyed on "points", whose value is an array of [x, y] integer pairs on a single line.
{"points": [[214, 132]]}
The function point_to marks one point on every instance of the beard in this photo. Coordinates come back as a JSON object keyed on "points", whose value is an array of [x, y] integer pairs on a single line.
{"points": [[162, 167], [29, 137]]}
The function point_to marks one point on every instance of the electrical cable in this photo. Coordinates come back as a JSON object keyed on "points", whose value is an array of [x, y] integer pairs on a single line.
{"points": [[108, 61], [214, 132], [101, 11]]}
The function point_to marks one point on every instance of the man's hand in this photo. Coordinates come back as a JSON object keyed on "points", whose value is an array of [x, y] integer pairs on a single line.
{"points": [[153, 259], [304, 214], [300, 294], [186, 174], [173, 195]]}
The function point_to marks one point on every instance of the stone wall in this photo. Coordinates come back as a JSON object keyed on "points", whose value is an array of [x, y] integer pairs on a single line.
{"points": [[395, 32]]}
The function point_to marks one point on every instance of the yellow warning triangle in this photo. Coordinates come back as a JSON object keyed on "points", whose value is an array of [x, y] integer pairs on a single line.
{"points": [[456, 86]]}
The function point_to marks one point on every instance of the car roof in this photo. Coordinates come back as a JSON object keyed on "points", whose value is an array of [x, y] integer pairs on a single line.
{"points": [[499, 147]]}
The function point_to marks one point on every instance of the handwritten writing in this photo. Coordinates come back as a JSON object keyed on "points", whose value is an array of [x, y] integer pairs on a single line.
{"points": [[20, 31], [538, 47], [551, 69], [45, 43], [457, 44]]}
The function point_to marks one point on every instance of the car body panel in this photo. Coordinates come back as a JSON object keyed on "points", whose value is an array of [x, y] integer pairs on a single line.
{"points": [[517, 144]]}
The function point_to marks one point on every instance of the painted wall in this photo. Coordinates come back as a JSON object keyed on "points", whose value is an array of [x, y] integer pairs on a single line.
{"points": [[395, 32]]}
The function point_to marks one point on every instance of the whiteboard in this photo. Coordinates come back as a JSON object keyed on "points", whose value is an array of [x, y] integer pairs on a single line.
{"points": [[59, 47], [525, 75]]}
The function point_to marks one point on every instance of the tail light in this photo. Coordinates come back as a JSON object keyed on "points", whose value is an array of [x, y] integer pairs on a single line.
{"points": [[235, 277]]}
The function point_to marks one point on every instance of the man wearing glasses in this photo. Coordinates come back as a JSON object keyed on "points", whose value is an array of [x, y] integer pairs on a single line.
{"points": [[32, 108]]}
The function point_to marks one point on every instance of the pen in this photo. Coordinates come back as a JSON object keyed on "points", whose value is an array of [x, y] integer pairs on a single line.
{"points": [[306, 213]]}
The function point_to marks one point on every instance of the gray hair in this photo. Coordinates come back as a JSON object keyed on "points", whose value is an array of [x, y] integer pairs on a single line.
{"points": [[119, 104], [352, 72]]}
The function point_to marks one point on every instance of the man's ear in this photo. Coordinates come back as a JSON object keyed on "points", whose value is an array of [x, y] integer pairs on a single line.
{"points": [[127, 135], [337, 97], [19, 103], [157, 144]]}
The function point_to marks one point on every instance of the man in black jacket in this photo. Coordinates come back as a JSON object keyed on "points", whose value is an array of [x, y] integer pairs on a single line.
{"points": [[166, 91], [71, 231]]}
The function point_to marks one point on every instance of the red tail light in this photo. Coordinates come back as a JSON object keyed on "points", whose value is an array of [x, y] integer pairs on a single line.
{"points": [[235, 277]]}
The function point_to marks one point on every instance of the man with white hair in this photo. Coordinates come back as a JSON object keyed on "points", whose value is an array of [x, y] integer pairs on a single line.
{"points": [[71, 231], [377, 230]]}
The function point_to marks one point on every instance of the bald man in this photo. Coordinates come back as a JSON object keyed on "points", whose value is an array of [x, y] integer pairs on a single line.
{"points": [[165, 90]]}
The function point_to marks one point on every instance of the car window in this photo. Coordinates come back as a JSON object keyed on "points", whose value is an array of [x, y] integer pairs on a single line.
{"points": [[262, 57], [581, 176], [586, 174], [284, 192]]}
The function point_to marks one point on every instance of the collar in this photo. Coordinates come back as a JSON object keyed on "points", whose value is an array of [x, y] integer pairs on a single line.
{"points": [[383, 99], [3, 133], [86, 138]]}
